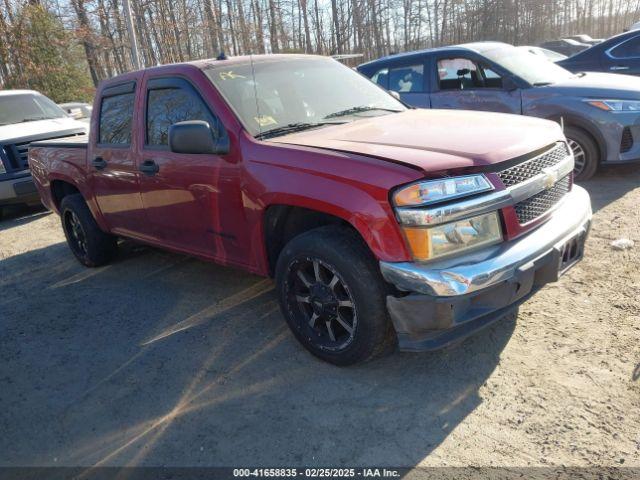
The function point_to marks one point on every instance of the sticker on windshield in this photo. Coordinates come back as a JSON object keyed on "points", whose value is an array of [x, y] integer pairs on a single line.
{"points": [[230, 75], [265, 120]]}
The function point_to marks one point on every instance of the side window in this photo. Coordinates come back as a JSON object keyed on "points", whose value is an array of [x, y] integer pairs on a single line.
{"points": [[464, 74], [491, 78], [381, 77], [409, 79], [628, 49], [166, 106], [116, 114]]}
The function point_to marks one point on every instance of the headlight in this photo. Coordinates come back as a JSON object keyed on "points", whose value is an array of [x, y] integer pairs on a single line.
{"points": [[616, 105], [432, 191], [471, 233]]}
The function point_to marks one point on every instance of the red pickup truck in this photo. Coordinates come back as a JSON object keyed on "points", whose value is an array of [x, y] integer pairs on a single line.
{"points": [[381, 224]]}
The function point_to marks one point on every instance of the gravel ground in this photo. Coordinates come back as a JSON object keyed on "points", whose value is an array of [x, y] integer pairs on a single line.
{"points": [[160, 359]]}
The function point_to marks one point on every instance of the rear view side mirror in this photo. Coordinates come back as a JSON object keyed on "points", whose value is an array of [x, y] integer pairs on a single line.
{"points": [[509, 84], [394, 94], [196, 136]]}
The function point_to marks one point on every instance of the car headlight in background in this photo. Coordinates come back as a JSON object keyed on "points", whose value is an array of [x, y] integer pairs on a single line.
{"points": [[616, 105], [442, 190], [455, 237]]}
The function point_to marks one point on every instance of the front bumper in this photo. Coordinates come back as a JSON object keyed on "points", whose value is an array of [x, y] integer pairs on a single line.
{"points": [[450, 299], [18, 189]]}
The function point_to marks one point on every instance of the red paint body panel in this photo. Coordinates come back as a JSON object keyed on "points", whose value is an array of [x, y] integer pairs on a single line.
{"points": [[214, 207]]}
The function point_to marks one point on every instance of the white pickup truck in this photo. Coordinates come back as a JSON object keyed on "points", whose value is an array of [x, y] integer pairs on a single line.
{"points": [[26, 116]]}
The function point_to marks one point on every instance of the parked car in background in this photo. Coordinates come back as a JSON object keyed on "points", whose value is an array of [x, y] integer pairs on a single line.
{"points": [[586, 39], [565, 46], [543, 52], [78, 110], [26, 115], [619, 54], [600, 112], [378, 222]]}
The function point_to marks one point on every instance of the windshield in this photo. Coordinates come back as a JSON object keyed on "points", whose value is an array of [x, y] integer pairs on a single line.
{"points": [[298, 92], [27, 107], [532, 68]]}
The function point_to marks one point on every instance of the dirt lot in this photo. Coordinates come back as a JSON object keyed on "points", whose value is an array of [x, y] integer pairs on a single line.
{"points": [[161, 359]]}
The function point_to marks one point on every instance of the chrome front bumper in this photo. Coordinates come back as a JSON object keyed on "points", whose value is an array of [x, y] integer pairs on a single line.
{"points": [[480, 270]]}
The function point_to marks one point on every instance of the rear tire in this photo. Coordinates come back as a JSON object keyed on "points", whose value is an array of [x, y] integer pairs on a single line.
{"points": [[90, 245], [333, 297], [585, 151]]}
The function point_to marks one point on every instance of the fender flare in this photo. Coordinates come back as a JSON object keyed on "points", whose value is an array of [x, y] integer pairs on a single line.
{"points": [[79, 182]]}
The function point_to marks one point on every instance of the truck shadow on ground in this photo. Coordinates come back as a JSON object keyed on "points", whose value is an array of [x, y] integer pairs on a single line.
{"points": [[14, 216], [160, 359]]}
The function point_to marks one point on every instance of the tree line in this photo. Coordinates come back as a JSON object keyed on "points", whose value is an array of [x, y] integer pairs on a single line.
{"points": [[65, 47]]}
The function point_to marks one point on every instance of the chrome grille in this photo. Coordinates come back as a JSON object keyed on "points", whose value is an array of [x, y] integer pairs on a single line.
{"points": [[539, 204], [530, 168]]}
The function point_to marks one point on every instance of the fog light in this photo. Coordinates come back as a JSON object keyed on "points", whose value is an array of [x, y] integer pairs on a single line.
{"points": [[454, 237]]}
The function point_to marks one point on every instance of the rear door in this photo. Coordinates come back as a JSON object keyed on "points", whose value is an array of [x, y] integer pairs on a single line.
{"points": [[463, 82], [624, 57], [113, 173], [182, 193]]}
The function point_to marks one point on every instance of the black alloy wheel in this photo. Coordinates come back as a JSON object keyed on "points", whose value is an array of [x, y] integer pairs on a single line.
{"points": [[77, 235], [322, 303]]}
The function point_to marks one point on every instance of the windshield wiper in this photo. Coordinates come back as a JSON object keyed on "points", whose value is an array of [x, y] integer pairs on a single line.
{"points": [[362, 108], [542, 84], [291, 128]]}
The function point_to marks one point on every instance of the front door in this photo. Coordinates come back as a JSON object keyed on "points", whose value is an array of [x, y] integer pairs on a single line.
{"points": [[182, 193], [113, 173], [466, 84]]}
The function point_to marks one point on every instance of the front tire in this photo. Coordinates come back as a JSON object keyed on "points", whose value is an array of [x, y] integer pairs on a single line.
{"points": [[333, 297], [90, 245], [585, 152]]}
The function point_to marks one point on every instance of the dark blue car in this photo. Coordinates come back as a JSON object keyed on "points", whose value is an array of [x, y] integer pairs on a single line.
{"points": [[600, 112], [619, 54]]}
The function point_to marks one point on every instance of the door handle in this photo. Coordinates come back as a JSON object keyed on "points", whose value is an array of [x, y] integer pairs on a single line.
{"points": [[99, 163], [619, 67], [149, 167]]}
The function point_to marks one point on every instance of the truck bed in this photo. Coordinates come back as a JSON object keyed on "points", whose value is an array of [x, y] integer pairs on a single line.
{"points": [[61, 160]]}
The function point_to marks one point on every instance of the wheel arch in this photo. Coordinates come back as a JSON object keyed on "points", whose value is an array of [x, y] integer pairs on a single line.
{"points": [[588, 127], [284, 221], [62, 185]]}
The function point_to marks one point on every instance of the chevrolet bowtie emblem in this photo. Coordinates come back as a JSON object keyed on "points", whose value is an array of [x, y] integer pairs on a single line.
{"points": [[550, 177]]}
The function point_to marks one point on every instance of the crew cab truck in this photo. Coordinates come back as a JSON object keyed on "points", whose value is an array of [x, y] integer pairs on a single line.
{"points": [[381, 224], [25, 116]]}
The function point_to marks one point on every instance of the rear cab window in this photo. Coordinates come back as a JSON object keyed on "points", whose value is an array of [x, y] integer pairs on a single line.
{"points": [[116, 115]]}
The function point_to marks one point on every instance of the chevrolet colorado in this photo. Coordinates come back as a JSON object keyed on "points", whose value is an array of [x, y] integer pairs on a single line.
{"points": [[381, 224]]}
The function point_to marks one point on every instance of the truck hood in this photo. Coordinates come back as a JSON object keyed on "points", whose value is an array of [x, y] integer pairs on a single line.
{"points": [[435, 140], [598, 85], [39, 128]]}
